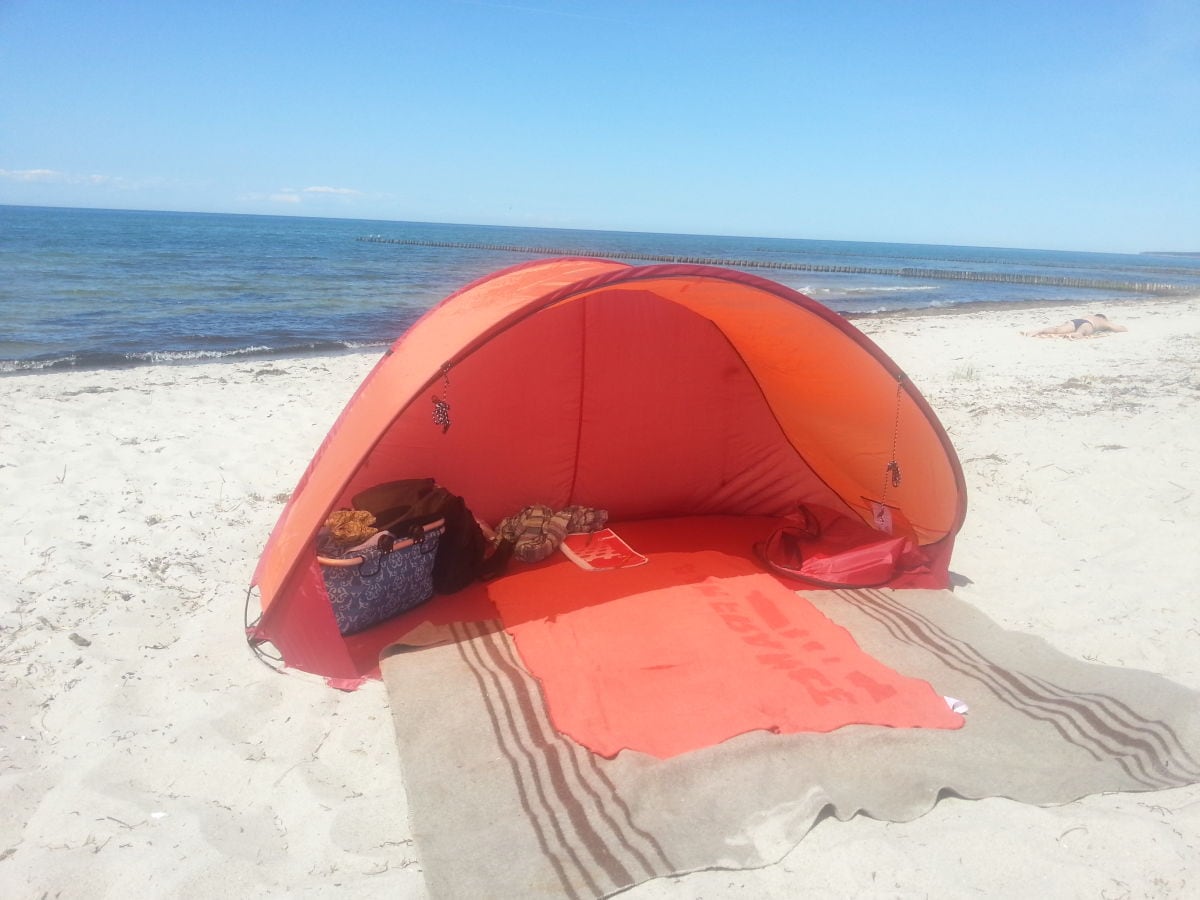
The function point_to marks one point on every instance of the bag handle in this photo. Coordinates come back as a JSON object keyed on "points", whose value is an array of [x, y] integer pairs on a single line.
{"points": [[349, 562]]}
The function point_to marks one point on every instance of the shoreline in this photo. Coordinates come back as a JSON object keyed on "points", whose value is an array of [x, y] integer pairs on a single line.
{"points": [[176, 359], [113, 362], [143, 739], [1003, 306]]}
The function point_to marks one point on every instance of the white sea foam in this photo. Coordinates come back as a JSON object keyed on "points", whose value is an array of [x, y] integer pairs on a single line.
{"points": [[892, 289], [170, 356], [9, 366]]}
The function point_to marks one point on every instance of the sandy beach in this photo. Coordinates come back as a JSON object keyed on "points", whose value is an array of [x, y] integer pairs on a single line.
{"points": [[144, 751]]}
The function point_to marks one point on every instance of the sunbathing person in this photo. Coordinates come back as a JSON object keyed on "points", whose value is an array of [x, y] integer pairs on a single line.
{"points": [[1078, 328]]}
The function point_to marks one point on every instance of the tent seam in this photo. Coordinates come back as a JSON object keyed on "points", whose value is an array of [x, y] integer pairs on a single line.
{"points": [[583, 329]]}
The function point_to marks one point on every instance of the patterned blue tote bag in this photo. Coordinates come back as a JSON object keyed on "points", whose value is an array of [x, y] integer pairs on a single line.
{"points": [[379, 578]]}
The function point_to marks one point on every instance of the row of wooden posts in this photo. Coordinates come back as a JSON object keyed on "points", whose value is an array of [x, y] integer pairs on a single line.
{"points": [[1137, 287]]}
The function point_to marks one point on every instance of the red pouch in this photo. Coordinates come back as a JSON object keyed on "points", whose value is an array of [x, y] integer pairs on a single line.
{"points": [[840, 553]]}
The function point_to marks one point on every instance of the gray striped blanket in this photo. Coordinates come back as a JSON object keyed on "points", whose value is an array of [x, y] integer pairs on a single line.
{"points": [[501, 805]]}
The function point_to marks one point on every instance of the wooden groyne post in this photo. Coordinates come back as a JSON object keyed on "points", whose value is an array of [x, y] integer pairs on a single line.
{"points": [[1136, 287]]}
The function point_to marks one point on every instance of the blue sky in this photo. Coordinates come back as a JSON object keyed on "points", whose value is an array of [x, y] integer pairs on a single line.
{"points": [[1064, 125]]}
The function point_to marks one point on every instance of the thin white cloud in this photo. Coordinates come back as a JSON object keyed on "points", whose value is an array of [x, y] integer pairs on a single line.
{"points": [[39, 175], [321, 189], [53, 176], [293, 196]]}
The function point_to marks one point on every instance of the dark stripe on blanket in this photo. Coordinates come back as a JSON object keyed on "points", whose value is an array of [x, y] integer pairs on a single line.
{"points": [[1153, 731], [1076, 717], [577, 755], [965, 660], [1061, 711], [541, 745], [510, 746], [670, 867]]}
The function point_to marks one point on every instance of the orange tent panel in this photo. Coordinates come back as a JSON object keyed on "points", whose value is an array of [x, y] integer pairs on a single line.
{"points": [[653, 392]]}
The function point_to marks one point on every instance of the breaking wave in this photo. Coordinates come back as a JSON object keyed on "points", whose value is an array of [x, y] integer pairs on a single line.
{"points": [[98, 360]]}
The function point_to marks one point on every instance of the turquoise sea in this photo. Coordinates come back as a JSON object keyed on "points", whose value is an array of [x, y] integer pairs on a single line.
{"points": [[94, 288]]}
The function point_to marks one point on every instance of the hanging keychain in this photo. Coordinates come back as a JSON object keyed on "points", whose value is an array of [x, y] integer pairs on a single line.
{"points": [[891, 472], [880, 511], [441, 405]]}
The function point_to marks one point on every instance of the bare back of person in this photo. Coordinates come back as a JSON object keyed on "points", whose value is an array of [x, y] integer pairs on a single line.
{"points": [[1079, 328]]}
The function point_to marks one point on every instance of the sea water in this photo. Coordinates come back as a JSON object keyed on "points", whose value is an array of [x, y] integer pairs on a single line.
{"points": [[91, 288]]}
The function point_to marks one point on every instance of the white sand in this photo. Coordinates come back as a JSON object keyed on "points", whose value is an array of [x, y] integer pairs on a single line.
{"points": [[145, 752]]}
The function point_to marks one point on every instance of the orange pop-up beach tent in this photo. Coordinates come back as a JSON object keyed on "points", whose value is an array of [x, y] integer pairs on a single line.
{"points": [[654, 392]]}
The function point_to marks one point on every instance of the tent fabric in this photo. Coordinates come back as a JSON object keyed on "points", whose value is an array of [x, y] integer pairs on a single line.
{"points": [[649, 391]]}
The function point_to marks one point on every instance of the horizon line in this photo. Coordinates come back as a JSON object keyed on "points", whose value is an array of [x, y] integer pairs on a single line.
{"points": [[282, 215]]}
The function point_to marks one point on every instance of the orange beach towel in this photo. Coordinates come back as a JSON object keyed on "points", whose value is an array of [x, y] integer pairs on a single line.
{"points": [[677, 668]]}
